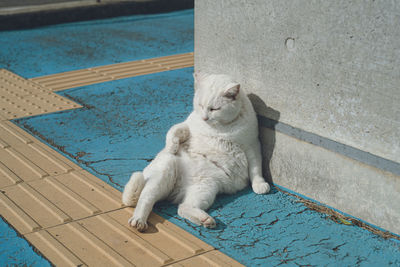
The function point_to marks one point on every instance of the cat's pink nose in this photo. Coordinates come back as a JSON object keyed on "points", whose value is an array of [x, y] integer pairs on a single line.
{"points": [[205, 118]]}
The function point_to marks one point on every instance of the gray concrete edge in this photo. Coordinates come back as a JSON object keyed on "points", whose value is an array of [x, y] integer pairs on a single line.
{"points": [[345, 150]]}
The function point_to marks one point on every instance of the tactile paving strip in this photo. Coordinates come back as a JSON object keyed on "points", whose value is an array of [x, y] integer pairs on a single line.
{"points": [[71, 216], [112, 72], [24, 158], [20, 98]]}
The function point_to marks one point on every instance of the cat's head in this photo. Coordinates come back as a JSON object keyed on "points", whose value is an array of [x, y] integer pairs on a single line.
{"points": [[217, 98]]}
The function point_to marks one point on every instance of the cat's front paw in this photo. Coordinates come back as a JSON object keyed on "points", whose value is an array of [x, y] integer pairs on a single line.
{"points": [[173, 146], [138, 223], [260, 187], [182, 134]]}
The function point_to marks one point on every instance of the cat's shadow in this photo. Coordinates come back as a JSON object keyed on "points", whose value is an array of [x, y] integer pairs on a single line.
{"points": [[266, 126]]}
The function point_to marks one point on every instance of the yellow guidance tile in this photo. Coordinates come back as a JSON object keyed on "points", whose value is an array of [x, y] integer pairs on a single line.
{"points": [[20, 98], [7, 177], [100, 195], [162, 234], [24, 158], [213, 258], [103, 240], [55, 200], [16, 216], [87, 246], [12, 85], [35, 205], [112, 72], [64, 198], [55, 251]]}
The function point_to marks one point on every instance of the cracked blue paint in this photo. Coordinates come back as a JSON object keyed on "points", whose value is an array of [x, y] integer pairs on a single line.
{"points": [[79, 45], [276, 229], [123, 127], [15, 251]]}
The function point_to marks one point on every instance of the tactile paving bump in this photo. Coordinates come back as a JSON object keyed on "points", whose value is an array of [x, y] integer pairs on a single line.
{"points": [[24, 158], [55, 200], [20, 98], [112, 72]]}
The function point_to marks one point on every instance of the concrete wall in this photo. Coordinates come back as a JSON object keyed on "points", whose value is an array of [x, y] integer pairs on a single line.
{"points": [[325, 72]]}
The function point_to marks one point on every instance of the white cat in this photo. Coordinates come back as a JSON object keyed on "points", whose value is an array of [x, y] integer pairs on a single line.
{"points": [[215, 150]]}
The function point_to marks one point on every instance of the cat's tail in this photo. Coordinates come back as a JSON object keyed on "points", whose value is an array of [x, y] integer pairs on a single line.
{"points": [[132, 189]]}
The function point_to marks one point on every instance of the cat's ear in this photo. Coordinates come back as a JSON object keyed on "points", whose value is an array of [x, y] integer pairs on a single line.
{"points": [[232, 92], [199, 76]]}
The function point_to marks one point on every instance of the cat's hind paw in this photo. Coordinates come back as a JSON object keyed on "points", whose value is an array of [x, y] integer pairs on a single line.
{"points": [[138, 223], [209, 222], [260, 187]]}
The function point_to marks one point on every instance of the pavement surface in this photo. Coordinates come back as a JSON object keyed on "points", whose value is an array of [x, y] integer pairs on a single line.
{"points": [[66, 47], [122, 125]]}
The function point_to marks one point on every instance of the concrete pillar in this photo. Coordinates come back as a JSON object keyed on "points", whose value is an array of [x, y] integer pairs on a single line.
{"points": [[324, 76]]}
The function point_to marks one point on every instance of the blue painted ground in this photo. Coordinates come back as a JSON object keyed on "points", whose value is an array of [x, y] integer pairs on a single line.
{"points": [[15, 251], [123, 126], [72, 46]]}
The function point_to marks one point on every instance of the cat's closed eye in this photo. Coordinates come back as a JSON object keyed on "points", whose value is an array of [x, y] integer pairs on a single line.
{"points": [[214, 109]]}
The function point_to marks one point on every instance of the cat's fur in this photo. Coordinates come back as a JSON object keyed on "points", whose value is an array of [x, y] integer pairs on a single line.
{"points": [[215, 150]]}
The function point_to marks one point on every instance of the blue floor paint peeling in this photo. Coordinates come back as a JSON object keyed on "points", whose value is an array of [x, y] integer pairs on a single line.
{"points": [[16, 251], [123, 126], [72, 46]]}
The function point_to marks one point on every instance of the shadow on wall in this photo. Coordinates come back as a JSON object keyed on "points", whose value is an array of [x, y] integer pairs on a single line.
{"points": [[267, 136]]}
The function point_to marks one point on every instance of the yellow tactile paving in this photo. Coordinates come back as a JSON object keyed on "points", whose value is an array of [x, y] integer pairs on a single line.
{"points": [[24, 158], [7, 177], [212, 258], [100, 195], [12, 85], [35, 205], [89, 76], [12, 133], [72, 217], [20, 98], [56, 252], [64, 198], [164, 233], [16, 216]]}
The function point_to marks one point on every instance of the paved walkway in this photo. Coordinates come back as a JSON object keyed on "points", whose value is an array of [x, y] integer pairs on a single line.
{"points": [[96, 125]]}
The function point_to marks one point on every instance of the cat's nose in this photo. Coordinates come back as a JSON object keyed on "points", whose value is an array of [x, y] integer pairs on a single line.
{"points": [[205, 118]]}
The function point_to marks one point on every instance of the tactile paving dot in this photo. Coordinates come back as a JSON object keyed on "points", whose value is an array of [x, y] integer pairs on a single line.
{"points": [[20, 98]]}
